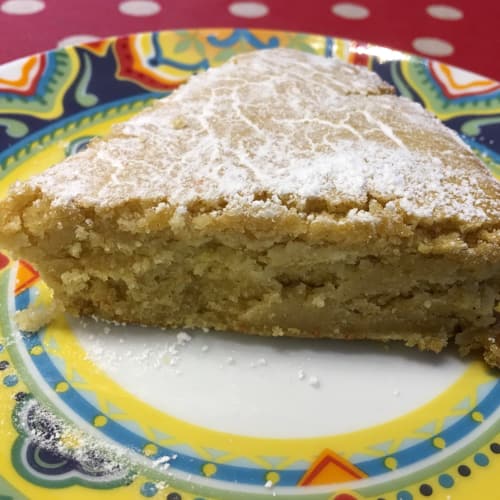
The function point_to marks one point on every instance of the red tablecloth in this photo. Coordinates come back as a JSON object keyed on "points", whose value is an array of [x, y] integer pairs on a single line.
{"points": [[462, 32]]}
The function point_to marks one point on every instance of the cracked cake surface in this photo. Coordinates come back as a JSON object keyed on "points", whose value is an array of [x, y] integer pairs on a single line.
{"points": [[281, 193]]}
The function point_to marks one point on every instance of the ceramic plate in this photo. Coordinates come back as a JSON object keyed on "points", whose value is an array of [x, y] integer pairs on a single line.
{"points": [[91, 410]]}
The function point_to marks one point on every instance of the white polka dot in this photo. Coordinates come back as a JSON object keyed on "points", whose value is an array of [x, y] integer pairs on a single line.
{"points": [[22, 7], [433, 46], [444, 12], [139, 8], [77, 40], [349, 10], [250, 10]]}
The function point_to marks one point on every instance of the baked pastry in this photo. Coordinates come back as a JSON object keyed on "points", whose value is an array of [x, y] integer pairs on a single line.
{"points": [[280, 194]]}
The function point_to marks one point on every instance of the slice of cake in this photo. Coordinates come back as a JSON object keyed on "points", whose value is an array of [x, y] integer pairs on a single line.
{"points": [[280, 194]]}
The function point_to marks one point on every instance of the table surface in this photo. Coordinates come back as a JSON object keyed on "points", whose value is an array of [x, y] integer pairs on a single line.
{"points": [[460, 32]]}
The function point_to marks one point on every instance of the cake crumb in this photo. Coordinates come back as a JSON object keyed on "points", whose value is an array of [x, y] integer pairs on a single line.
{"points": [[162, 463], [427, 304], [35, 317], [179, 122], [160, 207], [81, 234], [318, 302], [183, 338], [314, 381], [277, 332], [75, 250], [173, 350]]}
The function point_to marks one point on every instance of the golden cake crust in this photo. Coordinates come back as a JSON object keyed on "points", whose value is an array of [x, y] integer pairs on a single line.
{"points": [[229, 140]]}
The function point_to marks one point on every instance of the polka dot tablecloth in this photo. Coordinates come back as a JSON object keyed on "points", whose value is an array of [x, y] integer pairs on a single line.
{"points": [[459, 32]]}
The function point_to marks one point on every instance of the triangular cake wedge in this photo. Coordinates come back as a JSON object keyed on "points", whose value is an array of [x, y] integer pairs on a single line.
{"points": [[280, 194]]}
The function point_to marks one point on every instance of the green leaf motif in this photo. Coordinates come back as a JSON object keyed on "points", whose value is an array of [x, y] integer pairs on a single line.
{"points": [[14, 128], [300, 43], [223, 55], [199, 46], [182, 45], [473, 127], [82, 95]]}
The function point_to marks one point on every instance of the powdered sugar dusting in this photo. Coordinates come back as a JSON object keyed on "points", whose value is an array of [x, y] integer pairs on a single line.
{"points": [[287, 124]]}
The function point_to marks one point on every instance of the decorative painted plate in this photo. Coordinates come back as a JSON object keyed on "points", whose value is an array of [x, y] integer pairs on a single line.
{"points": [[91, 410]]}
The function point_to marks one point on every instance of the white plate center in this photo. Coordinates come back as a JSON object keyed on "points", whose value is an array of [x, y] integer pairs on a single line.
{"points": [[268, 387]]}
